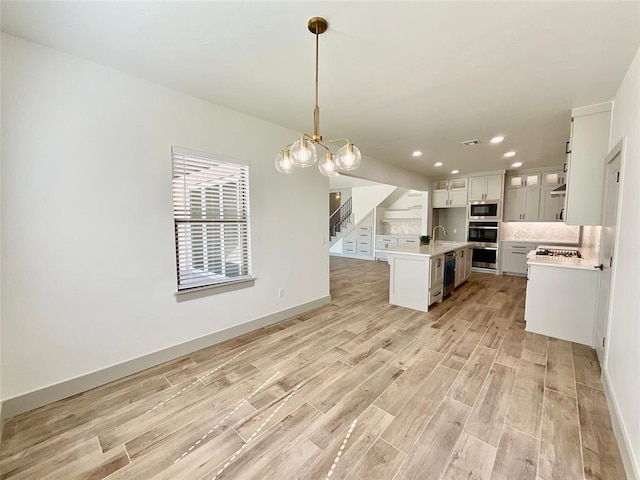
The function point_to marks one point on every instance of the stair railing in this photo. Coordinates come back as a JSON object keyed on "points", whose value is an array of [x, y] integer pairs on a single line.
{"points": [[339, 217]]}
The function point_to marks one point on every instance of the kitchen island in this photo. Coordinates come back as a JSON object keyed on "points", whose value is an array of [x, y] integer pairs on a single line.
{"points": [[417, 272], [561, 296]]}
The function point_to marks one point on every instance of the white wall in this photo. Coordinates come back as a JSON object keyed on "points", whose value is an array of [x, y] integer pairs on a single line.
{"points": [[451, 219], [623, 359], [365, 199], [1, 397], [88, 266]]}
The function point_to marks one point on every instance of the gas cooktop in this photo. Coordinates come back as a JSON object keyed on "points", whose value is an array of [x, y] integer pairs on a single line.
{"points": [[558, 252]]}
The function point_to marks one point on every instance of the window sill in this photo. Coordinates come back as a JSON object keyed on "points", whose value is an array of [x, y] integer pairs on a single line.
{"points": [[207, 290]]}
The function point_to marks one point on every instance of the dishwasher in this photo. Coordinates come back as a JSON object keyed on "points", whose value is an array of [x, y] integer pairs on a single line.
{"points": [[449, 273]]}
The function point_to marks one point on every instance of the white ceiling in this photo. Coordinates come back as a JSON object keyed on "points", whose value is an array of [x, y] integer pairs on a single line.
{"points": [[394, 76]]}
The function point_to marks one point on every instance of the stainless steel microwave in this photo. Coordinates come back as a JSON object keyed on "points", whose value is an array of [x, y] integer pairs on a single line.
{"points": [[485, 210]]}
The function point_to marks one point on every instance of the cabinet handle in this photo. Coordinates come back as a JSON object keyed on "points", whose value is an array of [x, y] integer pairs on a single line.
{"points": [[519, 253], [567, 149], [562, 214]]}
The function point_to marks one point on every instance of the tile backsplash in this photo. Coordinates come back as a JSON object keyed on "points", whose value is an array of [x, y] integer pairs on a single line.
{"points": [[402, 228], [551, 232]]}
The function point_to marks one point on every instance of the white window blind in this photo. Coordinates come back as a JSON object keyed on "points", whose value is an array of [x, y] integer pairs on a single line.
{"points": [[211, 217]]}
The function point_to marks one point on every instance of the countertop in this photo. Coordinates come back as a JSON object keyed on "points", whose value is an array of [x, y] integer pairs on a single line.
{"points": [[438, 248], [588, 261]]}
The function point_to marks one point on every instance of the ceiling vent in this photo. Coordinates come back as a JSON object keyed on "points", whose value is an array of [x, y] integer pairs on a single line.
{"points": [[471, 143]]}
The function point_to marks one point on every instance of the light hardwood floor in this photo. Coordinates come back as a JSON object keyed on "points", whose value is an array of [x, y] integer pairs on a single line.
{"points": [[358, 389]]}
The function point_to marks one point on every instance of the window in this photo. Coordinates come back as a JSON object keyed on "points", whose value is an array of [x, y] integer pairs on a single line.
{"points": [[211, 219]]}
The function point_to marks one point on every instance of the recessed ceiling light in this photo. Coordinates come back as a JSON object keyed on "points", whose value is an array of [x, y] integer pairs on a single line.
{"points": [[497, 139], [417, 153], [516, 165], [510, 154], [455, 171], [437, 164]]}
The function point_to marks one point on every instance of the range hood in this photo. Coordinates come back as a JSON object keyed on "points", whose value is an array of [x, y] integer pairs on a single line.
{"points": [[561, 191]]}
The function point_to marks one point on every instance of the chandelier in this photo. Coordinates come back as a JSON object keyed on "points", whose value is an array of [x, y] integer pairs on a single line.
{"points": [[302, 153]]}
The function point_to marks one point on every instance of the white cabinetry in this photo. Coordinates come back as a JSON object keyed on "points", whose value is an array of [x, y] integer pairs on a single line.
{"points": [[522, 204], [513, 257], [436, 278], [384, 242], [364, 243], [555, 178], [450, 193], [488, 187], [588, 147], [359, 241], [524, 180], [463, 265], [561, 303], [551, 208], [468, 258]]}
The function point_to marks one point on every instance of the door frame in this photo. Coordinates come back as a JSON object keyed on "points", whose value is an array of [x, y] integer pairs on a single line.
{"points": [[602, 352]]}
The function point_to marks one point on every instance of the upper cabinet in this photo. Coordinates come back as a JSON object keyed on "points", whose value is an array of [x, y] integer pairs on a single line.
{"points": [[587, 148], [553, 178], [488, 187], [551, 208], [450, 193], [528, 197], [524, 180], [522, 204]]}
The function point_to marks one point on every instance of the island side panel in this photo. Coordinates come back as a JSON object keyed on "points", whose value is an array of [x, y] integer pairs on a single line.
{"points": [[409, 281], [560, 303]]}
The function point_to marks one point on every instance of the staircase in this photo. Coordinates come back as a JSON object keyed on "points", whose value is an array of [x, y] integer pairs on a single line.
{"points": [[340, 221]]}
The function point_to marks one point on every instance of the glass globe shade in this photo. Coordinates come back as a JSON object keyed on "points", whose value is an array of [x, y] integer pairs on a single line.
{"points": [[348, 157], [327, 165], [284, 162], [303, 153]]}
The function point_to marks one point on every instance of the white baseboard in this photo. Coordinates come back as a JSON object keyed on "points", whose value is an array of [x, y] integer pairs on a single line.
{"points": [[43, 396], [626, 450]]}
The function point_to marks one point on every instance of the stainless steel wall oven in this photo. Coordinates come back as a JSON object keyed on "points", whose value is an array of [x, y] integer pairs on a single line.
{"points": [[485, 236]]}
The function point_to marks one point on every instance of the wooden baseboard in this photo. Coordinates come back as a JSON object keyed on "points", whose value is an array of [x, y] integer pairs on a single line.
{"points": [[37, 398], [626, 451]]}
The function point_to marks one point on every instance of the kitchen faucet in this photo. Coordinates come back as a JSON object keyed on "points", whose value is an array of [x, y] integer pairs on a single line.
{"points": [[433, 234]]}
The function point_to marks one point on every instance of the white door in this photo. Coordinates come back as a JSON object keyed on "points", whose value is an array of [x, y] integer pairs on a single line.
{"points": [[514, 205], [607, 246], [532, 204], [494, 187], [477, 188], [440, 198]]}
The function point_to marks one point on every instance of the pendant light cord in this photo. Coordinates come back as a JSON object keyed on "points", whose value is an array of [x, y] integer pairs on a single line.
{"points": [[316, 110]]}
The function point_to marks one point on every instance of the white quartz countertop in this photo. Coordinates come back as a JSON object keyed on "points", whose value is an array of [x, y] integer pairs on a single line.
{"points": [[426, 250], [588, 261]]}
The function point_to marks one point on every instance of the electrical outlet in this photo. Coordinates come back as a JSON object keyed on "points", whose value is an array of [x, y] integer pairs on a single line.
{"points": [[281, 292], [455, 230]]}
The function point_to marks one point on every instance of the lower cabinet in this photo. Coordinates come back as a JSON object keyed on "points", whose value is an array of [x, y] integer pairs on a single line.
{"points": [[463, 265], [569, 315], [513, 257], [468, 258], [359, 242], [436, 279]]}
